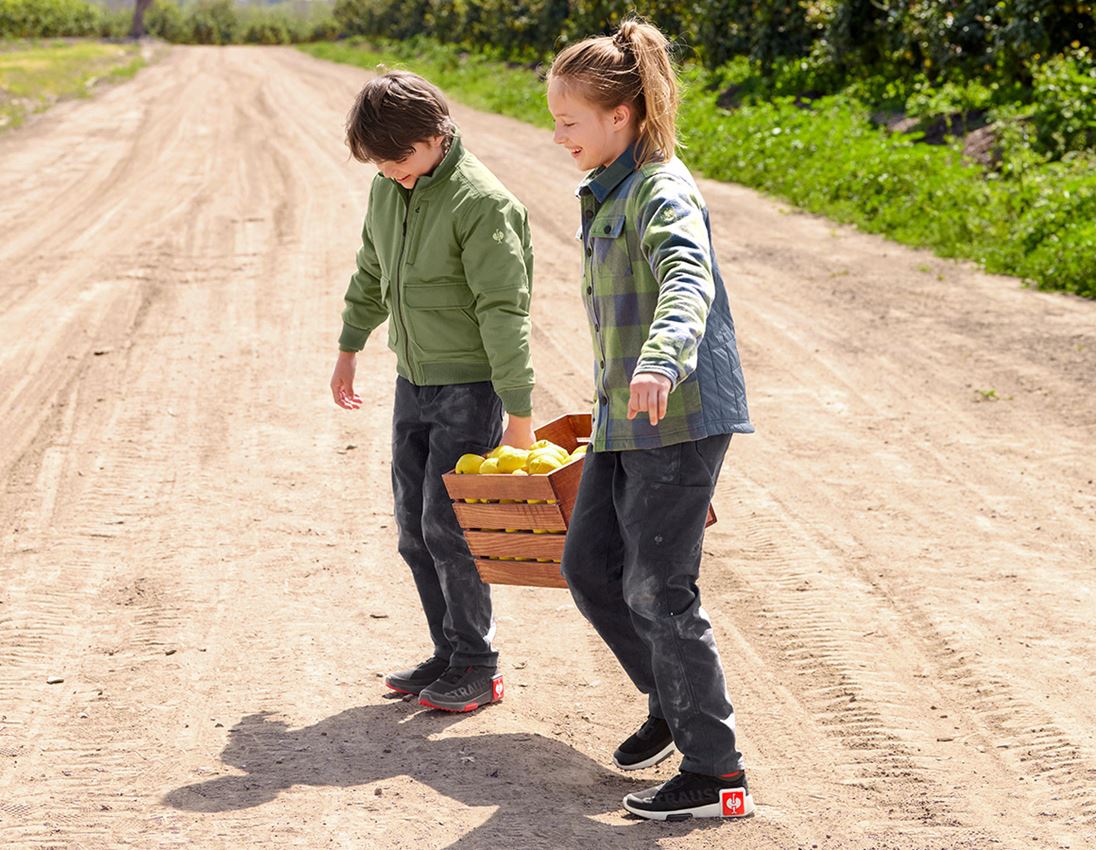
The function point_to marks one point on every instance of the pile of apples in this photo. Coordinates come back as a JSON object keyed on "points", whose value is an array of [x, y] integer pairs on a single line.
{"points": [[541, 458]]}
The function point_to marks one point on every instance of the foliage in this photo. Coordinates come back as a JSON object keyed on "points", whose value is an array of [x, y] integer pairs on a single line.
{"points": [[202, 22], [48, 18], [1065, 103], [1031, 218]]}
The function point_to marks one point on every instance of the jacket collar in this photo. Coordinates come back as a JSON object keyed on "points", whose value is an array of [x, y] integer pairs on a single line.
{"points": [[445, 168], [601, 181]]}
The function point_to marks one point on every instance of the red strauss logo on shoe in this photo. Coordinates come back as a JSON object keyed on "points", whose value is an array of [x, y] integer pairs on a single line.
{"points": [[497, 688], [734, 802]]}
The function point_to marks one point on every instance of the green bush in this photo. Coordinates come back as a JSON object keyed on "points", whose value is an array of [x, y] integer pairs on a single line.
{"points": [[1031, 218], [268, 29], [213, 22], [165, 20], [1065, 103], [115, 23], [324, 28], [48, 18]]}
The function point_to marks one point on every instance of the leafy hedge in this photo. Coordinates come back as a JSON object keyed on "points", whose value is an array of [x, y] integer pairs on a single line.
{"points": [[1031, 217], [48, 18], [937, 37], [1027, 59], [203, 22]]}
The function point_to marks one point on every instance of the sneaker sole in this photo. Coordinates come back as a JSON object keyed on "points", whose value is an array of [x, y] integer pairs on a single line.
{"points": [[732, 806], [392, 687], [486, 698], [660, 756]]}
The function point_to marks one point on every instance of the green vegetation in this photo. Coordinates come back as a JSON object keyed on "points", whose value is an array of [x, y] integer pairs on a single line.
{"points": [[35, 75], [968, 126], [200, 22], [226, 22], [48, 18], [473, 78], [1029, 215]]}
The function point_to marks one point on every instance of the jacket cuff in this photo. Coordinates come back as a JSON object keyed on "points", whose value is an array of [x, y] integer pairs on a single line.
{"points": [[517, 402], [670, 372], [352, 338]]}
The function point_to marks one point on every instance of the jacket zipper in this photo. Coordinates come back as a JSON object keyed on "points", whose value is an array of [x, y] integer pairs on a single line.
{"points": [[399, 273]]}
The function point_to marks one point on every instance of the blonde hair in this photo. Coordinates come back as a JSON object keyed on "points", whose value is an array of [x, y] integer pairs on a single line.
{"points": [[631, 67]]}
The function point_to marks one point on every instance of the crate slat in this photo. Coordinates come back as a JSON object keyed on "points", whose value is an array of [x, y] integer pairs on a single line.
{"points": [[523, 487], [569, 431], [520, 573], [516, 544], [545, 517]]}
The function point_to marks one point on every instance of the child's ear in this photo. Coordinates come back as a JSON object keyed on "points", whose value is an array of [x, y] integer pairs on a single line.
{"points": [[622, 116]]}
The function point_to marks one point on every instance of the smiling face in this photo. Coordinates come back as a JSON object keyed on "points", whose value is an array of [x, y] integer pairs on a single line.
{"points": [[427, 155], [594, 136]]}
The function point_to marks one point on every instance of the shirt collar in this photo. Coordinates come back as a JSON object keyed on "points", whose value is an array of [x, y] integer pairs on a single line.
{"points": [[601, 181]]}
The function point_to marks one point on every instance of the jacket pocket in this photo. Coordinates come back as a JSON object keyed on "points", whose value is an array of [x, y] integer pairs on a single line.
{"points": [[438, 296], [610, 247], [441, 320]]}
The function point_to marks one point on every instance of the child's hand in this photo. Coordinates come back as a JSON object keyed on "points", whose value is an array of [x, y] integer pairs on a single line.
{"points": [[342, 382], [519, 432], [650, 394]]}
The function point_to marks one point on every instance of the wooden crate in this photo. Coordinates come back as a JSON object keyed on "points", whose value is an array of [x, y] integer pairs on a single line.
{"points": [[515, 525]]}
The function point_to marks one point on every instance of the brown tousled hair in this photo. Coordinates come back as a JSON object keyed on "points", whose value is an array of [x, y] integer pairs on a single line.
{"points": [[392, 113], [632, 66]]}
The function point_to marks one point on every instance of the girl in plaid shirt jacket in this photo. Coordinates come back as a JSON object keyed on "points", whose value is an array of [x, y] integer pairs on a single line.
{"points": [[670, 394]]}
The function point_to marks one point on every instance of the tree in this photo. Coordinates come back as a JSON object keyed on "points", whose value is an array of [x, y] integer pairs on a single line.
{"points": [[137, 28]]}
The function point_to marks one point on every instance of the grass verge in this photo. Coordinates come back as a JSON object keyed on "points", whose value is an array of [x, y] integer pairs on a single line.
{"points": [[1030, 217], [36, 74]]}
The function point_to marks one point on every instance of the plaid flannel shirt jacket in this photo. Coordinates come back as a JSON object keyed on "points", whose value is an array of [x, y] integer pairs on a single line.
{"points": [[656, 303]]}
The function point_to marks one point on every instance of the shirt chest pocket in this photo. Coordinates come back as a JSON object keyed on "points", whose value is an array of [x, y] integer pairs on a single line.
{"points": [[609, 247]]}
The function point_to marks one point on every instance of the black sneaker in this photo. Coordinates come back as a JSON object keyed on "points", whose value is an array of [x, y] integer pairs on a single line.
{"points": [[463, 689], [413, 680], [647, 746], [692, 795]]}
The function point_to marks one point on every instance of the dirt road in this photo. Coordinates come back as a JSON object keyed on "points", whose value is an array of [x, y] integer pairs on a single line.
{"points": [[200, 544]]}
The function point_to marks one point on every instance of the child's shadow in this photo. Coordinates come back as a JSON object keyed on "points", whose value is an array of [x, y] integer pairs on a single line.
{"points": [[543, 789]]}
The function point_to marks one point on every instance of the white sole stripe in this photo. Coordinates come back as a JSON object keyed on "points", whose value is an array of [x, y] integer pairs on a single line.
{"points": [[651, 762]]}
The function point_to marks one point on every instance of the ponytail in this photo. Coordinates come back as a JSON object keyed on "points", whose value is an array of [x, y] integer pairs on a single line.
{"points": [[633, 67]]}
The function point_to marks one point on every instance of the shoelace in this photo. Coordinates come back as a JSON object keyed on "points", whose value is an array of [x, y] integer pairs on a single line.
{"points": [[452, 676]]}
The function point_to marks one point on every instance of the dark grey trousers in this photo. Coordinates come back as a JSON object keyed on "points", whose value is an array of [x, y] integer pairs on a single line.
{"points": [[431, 428], [632, 559]]}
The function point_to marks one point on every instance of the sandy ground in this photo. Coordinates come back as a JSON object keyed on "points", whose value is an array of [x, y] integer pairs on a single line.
{"points": [[201, 545]]}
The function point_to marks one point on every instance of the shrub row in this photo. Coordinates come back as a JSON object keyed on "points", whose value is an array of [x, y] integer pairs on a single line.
{"points": [[1030, 217], [1028, 58], [940, 38], [204, 22]]}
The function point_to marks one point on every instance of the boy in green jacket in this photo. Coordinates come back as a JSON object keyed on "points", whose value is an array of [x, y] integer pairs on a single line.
{"points": [[446, 259]]}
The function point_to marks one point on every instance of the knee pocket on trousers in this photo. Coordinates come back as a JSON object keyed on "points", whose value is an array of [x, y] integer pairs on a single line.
{"points": [[655, 601]]}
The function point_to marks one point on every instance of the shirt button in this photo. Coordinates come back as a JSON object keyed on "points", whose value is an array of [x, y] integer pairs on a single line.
{"points": [[589, 290], [602, 364], [608, 229], [589, 213], [589, 252], [597, 327]]}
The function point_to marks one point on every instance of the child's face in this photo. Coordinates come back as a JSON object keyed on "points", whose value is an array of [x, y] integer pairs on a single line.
{"points": [[426, 156], [594, 136]]}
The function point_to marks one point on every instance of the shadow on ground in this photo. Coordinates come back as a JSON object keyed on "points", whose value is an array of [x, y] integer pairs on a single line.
{"points": [[547, 793]]}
